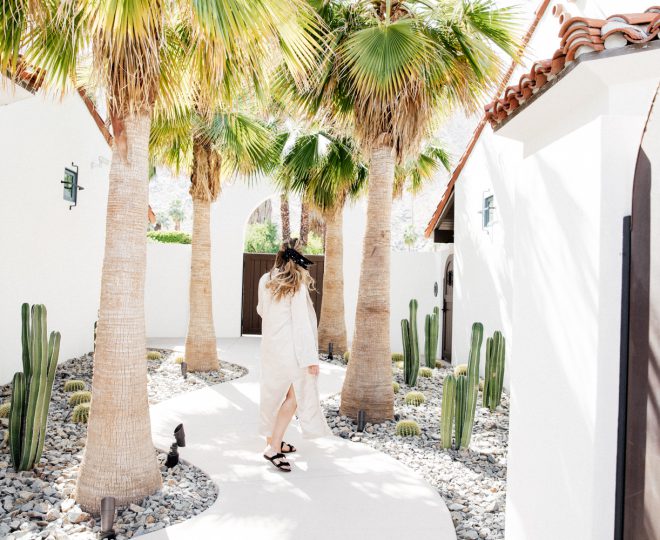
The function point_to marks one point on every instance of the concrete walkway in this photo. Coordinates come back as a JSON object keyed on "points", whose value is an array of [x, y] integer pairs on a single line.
{"points": [[338, 490]]}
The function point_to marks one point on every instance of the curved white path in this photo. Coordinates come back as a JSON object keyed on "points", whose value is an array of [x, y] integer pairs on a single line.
{"points": [[338, 490]]}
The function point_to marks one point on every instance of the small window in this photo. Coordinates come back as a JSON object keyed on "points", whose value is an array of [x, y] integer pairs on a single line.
{"points": [[488, 211]]}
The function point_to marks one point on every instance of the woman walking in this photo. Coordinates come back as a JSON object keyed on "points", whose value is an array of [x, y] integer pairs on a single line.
{"points": [[289, 354]]}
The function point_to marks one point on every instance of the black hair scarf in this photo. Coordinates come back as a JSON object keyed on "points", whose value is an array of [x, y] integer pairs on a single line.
{"points": [[291, 254]]}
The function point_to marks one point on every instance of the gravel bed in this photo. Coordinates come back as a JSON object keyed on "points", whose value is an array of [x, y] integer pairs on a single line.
{"points": [[40, 504], [471, 482]]}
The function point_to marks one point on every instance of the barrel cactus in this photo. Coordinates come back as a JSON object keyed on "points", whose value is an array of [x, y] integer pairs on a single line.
{"points": [[425, 372], [80, 413], [154, 355], [414, 398], [347, 356], [74, 385], [4, 409], [460, 369], [397, 357], [407, 428], [179, 360], [494, 371], [395, 387], [448, 409], [82, 396], [32, 388]]}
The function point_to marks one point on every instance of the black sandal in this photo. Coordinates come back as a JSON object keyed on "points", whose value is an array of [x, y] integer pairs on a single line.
{"points": [[281, 462], [290, 450]]}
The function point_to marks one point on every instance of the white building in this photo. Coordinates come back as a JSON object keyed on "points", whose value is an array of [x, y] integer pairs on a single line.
{"points": [[535, 212]]}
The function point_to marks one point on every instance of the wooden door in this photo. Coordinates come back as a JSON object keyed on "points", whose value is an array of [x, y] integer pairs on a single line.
{"points": [[447, 302], [256, 265]]}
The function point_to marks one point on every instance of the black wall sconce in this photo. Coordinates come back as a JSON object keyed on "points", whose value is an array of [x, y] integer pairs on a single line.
{"points": [[71, 186], [107, 518]]}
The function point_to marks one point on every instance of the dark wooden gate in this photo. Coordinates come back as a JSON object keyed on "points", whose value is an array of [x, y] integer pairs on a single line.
{"points": [[447, 306], [256, 265]]}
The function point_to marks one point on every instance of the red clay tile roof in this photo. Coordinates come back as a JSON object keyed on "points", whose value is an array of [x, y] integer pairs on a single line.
{"points": [[578, 36], [538, 15]]}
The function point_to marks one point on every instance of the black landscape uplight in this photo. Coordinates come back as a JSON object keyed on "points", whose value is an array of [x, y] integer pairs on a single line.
{"points": [[361, 420], [179, 442], [330, 347], [107, 518], [184, 369]]}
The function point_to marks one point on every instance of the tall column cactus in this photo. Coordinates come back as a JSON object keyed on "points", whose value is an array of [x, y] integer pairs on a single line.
{"points": [[472, 383], [431, 330], [410, 346], [448, 409], [461, 400], [494, 371], [31, 389]]}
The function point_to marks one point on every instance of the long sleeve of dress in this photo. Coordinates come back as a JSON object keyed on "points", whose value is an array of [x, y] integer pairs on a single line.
{"points": [[261, 294], [304, 328]]}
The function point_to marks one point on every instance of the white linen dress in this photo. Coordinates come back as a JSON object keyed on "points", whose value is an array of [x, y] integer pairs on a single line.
{"points": [[288, 347]]}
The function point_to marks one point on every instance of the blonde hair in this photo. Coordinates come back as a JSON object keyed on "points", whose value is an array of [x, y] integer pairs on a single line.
{"points": [[286, 276]]}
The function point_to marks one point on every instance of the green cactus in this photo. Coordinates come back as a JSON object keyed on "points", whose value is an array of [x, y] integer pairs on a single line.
{"points": [[414, 398], [472, 383], [82, 396], [425, 372], [459, 409], [179, 360], [407, 428], [347, 356], [80, 413], [410, 345], [154, 355], [431, 330], [397, 357], [494, 371], [32, 388], [74, 385], [4, 409], [448, 409], [395, 387]]}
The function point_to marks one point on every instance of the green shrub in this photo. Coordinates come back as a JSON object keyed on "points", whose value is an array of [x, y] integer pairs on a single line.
{"points": [[460, 369], [395, 387], [262, 238], [408, 428], [314, 244], [81, 396], [80, 413], [170, 237], [154, 355], [397, 357], [179, 360], [425, 372], [414, 398], [4, 409], [74, 385]]}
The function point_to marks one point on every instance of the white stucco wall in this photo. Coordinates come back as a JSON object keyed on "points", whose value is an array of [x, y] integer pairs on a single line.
{"points": [[52, 255], [168, 270]]}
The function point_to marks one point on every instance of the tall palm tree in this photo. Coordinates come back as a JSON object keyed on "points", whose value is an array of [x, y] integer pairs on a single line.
{"points": [[230, 140], [326, 171], [394, 67], [137, 50]]}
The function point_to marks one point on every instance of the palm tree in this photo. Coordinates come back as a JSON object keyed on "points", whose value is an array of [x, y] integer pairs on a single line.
{"points": [[137, 51], [393, 68], [177, 213], [285, 222], [326, 171], [235, 142]]}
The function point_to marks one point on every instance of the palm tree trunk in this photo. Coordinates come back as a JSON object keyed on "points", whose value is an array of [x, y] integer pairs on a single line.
{"points": [[201, 351], [284, 216], [332, 324], [368, 383], [120, 460], [304, 224]]}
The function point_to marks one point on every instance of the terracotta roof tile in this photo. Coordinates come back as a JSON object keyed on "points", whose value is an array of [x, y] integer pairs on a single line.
{"points": [[578, 35]]}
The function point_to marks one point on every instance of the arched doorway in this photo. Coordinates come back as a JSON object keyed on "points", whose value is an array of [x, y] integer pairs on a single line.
{"points": [[447, 308]]}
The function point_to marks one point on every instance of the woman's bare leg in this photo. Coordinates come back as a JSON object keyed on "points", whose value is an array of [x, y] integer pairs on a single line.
{"points": [[283, 419]]}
